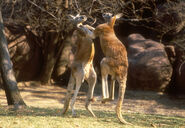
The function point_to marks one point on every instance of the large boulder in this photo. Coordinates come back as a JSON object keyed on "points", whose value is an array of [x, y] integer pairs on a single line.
{"points": [[149, 67]]}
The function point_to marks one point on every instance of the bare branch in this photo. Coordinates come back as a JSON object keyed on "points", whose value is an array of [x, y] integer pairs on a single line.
{"points": [[42, 9]]}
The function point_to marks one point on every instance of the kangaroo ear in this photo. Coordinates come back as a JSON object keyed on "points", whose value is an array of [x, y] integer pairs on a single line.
{"points": [[119, 15], [112, 21]]}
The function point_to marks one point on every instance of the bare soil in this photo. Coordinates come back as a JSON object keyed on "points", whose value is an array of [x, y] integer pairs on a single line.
{"points": [[135, 101]]}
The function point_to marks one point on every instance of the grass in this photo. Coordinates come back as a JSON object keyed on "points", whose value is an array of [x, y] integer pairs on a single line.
{"points": [[32, 117]]}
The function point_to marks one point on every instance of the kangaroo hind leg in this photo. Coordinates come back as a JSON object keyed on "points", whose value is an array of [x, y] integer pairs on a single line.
{"points": [[79, 77], [104, 75], [112, 89], [91, 82], [70, 87]]}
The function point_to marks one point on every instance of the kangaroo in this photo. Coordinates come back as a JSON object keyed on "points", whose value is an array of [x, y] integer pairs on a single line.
{"points": [[115, 63], [81, 69]]}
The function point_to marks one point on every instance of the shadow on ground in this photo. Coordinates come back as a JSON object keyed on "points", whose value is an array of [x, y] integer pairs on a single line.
{"points": [[135, 101], [102, 116]]}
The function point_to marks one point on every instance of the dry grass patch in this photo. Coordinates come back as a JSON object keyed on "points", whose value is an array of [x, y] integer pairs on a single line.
{"points": [[34, 117]]}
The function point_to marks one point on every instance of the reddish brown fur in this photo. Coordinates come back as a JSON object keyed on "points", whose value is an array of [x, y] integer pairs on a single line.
{"points": [[81, 69], [112, 47], [85, 49], [115, 62]]}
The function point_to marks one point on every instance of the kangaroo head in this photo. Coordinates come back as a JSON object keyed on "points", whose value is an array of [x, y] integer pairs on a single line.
{"points": [[78, 19], [107, 27]]}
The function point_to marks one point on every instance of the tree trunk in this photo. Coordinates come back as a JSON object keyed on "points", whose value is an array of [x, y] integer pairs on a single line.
{"points": [[50, 56], [9, 81]]}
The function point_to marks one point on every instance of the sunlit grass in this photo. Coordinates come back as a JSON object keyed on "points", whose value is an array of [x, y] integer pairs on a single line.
{"points": [[32, 117]]}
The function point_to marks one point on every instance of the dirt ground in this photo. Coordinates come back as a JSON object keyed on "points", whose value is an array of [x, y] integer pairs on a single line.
{"points": [[135, 101]]}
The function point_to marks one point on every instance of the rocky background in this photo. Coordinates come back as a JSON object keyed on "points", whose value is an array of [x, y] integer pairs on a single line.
{"points": [[152, 31]]}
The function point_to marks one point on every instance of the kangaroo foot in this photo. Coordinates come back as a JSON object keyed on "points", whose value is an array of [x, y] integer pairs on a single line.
{"points": [[90, 111], [88, 106], [64, 111], [75, 115], [124, 122], [120, 118], [106, 100]]}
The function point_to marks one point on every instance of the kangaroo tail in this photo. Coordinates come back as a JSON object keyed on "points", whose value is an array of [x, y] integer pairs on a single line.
{"points": [[122, 88]]}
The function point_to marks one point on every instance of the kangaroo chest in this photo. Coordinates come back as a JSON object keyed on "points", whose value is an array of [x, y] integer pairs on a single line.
{"points": [[85, 52], [108, 47]]}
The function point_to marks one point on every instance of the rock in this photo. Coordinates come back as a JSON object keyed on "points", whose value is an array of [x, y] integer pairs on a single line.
{"points": [[149, 67]]}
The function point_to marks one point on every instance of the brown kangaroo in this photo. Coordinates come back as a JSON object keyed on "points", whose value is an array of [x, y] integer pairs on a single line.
{"points": [[115, 63], [81, 69]]}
